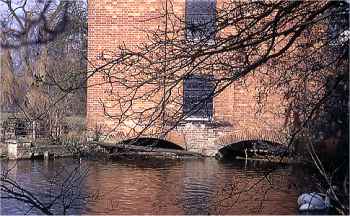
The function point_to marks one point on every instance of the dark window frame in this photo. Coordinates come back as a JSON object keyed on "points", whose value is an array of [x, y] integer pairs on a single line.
{"points": [[198, 98], [207, 29]]}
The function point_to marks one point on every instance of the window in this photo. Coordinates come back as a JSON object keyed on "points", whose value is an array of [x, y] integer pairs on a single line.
{"points": [[200, 19], [198, 98], [338, 33]]}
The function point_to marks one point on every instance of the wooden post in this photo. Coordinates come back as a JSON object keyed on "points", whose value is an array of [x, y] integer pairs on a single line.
{"points": [[34, 130], [46, 155]]}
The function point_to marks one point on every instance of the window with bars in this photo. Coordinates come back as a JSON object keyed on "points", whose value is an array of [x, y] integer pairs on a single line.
{"points": [[198, 98], [200, 19]]}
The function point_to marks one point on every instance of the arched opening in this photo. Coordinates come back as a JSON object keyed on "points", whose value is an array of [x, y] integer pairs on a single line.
{"points": [[251, 148], [152, 142]]}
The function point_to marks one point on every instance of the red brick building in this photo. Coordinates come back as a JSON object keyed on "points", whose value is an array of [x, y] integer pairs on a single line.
{"points": [[229, 117]]}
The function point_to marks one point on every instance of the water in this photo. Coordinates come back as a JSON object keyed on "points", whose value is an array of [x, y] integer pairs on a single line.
{"points": [[156, 186]]}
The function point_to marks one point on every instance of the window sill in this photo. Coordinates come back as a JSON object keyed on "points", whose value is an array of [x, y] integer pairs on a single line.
{"points": [[198, 119], [194, 41]]}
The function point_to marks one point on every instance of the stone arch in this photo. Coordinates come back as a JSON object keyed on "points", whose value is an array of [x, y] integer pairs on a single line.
{"points": [[174, 137], [238, 148], [233, 144], [246, 135]]}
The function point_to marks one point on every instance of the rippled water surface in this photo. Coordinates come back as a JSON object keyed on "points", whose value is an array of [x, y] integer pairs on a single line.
{"points": [[156, 186]]}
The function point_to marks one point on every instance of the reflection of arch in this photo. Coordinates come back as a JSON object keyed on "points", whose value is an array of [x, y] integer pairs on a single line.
{"points": [[152, 142]]}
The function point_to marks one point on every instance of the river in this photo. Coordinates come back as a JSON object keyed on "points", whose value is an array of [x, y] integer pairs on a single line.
{"points": [[158, 186]]}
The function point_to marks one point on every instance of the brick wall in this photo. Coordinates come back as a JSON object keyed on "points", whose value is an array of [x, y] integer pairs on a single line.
{"points": [[112, 23]]}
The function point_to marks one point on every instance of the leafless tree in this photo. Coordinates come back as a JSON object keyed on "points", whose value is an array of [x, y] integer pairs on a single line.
{"points": [[32, 22], [298, 49], [62, 192], [33, 81], [43, 66], [254, 37], [292, 46]]}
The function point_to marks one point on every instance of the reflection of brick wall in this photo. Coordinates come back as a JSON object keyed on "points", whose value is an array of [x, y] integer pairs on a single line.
{"points": [[112, 23]]}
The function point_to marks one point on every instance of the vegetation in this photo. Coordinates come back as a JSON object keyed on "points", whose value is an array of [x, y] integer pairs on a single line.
{"points": [[44, 81], [297, 48]]}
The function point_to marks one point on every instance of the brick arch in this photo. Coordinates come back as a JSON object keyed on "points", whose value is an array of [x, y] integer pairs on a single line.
{"points": [[173, 137], [245, 135], [177, 138], [154, 142]]}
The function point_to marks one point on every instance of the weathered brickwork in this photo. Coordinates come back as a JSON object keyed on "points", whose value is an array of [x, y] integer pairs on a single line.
{"points": [[236, 111]]}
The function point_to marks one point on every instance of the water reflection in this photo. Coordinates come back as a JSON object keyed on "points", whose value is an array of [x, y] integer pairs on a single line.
{"points": [[56, 183], [155, 186]]}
